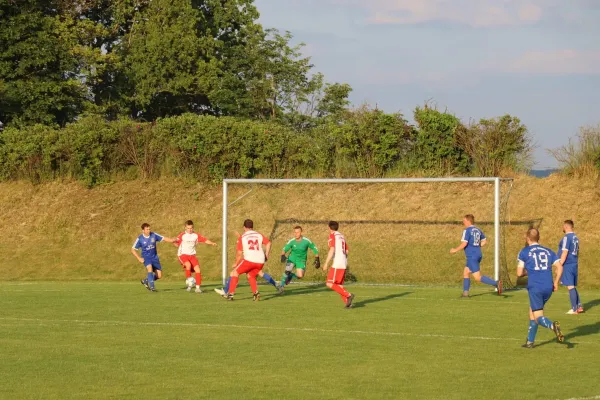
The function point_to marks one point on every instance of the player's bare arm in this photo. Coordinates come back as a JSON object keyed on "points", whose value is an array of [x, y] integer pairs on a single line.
{"points": [[267, 250], [559, 271], [238, 258], [521, 269], [210, 243], [459, 248], [329, 258], [563, 257], [136, 255], [483, 242], [170, 240]]}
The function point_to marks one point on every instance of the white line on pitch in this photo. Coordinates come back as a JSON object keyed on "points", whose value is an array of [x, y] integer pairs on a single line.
{"points": [[585, 398], [256, 327]]}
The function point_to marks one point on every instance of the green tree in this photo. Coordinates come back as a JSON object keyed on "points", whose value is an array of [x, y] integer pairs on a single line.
{"points": [[39, 75]]}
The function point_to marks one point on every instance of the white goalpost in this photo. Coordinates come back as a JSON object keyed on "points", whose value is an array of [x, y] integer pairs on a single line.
{"points": [[495, 180]]}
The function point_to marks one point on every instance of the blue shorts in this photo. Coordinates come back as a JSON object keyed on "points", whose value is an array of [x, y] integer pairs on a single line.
{"points": [[473, 264], [155, 262], [569, 275], [538, 297]]}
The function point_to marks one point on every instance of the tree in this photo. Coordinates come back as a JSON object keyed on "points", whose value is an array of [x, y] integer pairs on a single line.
{"points": [[39, 75], [496, 144]]}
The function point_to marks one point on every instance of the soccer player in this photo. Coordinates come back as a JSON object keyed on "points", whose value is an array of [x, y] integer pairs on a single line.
{"points": [[147, 243], [186, 252], [338, 254], [250, 259], [297, 249], [536, 261], [473, 239], [568, 250]]}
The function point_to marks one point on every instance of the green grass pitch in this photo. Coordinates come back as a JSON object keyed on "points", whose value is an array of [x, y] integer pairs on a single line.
{"points": [[119, 341]]}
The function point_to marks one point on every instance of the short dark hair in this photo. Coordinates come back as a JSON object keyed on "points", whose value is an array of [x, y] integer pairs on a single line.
{"points": [[570, 223], [334, 225], [298, 227], [145, 225], [470, 218], [533, 235], [249, 224], [189, 222]]}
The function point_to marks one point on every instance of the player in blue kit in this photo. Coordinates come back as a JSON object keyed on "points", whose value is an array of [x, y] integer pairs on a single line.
{"points": [[536, 262], [147, 243], [473, 239], [568, 251]]}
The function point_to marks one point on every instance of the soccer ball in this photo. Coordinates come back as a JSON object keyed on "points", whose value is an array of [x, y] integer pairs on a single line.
{"points": [[190, 281]]}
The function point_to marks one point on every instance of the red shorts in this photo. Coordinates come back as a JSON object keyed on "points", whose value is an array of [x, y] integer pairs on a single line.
{"points": [[188, 258], [336, 276], [245, 267]]}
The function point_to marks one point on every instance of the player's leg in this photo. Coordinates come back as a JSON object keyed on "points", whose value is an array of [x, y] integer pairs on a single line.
{"points": [[267, 278], [335, 280], [187, 265], [474, 267], [466, 281], [242, 268], [300, 271], [532, 331], [150, 276], [287, 273], [569, 279], [252, 280], [198, 277], [537, 300]]}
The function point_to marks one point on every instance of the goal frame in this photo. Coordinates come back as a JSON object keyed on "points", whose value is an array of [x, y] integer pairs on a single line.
{"points": [[495, 180]]}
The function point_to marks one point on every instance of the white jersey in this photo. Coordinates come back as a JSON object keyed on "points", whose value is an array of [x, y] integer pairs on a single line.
{"points": [[251, 243], [187, 243], [340, 256]]}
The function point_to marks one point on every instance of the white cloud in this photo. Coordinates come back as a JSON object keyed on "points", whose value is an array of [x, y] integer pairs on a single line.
{"points": [[477, 13], [557, 62]]}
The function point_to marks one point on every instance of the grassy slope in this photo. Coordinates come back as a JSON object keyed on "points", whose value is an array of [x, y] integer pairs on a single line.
{"points": [[398, 233]]}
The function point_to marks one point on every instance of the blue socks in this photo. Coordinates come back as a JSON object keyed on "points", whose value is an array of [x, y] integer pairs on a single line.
{"points": [[488, 281], [227, 282], [151, 280], [545, 322], [466, 284], [573, 295], [533, 327], [269, 279]]}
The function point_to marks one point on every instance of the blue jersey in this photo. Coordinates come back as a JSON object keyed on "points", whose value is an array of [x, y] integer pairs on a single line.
{"points": [[570, 243], [148, 245], [538, 261], [473, 236]]}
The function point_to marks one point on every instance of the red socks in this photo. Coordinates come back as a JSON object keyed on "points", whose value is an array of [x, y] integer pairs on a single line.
{"points": [[233, 284], [188, 273], [340, 289], [198, 278]]}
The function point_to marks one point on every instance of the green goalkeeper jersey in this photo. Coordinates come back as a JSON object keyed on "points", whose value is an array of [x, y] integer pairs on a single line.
{"points": [[299, 249]]}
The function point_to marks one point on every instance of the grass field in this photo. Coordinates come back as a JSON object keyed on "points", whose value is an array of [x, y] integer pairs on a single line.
{"points": [[72, 340]]}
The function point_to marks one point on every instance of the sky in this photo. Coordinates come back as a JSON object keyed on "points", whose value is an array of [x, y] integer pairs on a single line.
{"points": [[538, 60]]}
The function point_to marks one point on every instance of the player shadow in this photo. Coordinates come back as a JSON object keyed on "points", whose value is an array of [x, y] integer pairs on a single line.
{"points": [[582, 330], [300, 291], [364, 303], [591, 304], [503, 295]]}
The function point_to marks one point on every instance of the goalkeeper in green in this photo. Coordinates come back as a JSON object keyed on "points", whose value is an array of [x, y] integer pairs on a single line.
{"points": [[294, 255]]}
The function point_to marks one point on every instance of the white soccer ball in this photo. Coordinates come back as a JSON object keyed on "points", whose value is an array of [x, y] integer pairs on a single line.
{"points": [[191, 281]]}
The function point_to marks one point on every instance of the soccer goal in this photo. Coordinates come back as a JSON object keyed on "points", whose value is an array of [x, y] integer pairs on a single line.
{"points": [[399, 223]]}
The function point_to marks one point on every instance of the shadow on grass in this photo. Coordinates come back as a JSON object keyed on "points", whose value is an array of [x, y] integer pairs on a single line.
{"points": [[591, 304], [582, 330], [494, 293], [300, 291], [364, 303]]}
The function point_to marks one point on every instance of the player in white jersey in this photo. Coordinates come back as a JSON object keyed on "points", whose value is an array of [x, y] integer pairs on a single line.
{"points": [[186, 253], [250, 259], [338, 253]]}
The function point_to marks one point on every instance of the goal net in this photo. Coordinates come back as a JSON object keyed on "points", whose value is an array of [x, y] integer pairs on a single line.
{"points": [[399, 231]]}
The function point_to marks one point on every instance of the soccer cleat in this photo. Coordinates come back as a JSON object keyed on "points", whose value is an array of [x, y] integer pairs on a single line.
{"points": [[189, 289], [256, 296], [197, 290], [557, 332], [571, 312], [465, 294], [228, 296], [153, 290], [280, 288], [499, 287], [221, 292], [349, 301], [145, 283], [528, 345], [579, 310]]}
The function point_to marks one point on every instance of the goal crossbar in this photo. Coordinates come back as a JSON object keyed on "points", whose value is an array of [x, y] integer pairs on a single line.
{"points": [[495, 180]]}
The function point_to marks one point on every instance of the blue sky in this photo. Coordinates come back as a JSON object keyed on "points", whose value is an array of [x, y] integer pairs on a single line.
{"points": [[536, 59]]}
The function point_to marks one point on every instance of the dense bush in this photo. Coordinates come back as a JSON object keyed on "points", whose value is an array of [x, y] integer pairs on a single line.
{"points": [[357, 143]]}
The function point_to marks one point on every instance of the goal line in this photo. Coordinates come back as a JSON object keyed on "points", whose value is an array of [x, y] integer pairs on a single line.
{"points": [[495, 180]]}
